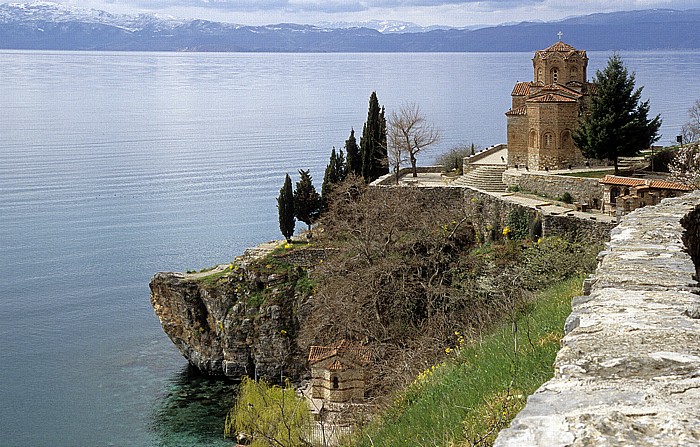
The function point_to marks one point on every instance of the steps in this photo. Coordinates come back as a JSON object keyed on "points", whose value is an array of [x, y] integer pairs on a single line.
{"points": [[631, 163], [486, 177]]}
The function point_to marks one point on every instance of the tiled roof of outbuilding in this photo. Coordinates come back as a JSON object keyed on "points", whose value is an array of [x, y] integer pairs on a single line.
{"points": [[344, 348], [643, 183]]}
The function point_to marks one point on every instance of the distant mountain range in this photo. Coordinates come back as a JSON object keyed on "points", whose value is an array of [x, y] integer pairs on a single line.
{"points": [[49, 26]]}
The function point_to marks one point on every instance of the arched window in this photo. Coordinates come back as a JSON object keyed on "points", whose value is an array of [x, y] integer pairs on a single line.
{"points": [[566, 140], [614, 193], [574, 73], [335, 382], [555, 75], [548, 140], [533, 138]]}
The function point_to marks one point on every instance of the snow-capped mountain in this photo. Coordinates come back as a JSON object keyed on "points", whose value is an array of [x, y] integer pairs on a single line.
{"points": [[42, 12], [383, 26], [50, 26]]}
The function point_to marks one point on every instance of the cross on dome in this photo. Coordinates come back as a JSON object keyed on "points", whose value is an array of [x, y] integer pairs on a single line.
{"points": [[560, 34]]}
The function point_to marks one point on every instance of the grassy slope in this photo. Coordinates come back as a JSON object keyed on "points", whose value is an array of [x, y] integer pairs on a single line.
{"points": [[481, 387]]}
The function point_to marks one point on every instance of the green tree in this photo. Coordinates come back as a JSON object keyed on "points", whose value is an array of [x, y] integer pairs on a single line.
{"points": [[307, 202], [373, 148], [334, 174], [270, 416], [354, 159], [285, 209], [616, 124]]}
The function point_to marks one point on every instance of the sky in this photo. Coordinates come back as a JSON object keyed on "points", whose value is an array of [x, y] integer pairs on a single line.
{"points": [[458, 13]]}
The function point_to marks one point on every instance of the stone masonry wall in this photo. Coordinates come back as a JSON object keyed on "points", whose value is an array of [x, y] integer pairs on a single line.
{"points": [[586, 190], [627, 372], [489, 214]]}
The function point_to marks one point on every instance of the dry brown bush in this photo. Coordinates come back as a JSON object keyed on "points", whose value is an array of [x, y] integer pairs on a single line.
{"points": [[403, 279]]}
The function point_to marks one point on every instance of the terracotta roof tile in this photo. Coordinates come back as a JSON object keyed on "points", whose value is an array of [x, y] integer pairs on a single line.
{"points": [[346, 349], [643, 183], [518, 111], [521, 89], [662, 184], [558, 48], [551, 97]]}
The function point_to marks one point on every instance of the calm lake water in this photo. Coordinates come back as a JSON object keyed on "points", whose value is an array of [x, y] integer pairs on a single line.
{"points": [[114, 166]]}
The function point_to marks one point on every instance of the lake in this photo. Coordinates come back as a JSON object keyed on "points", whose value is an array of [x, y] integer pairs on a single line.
{"points": [[114, 166]]}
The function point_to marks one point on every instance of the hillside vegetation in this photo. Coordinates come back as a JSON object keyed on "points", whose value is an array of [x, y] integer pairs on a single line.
{"points": [[466, 399], [409, 272]]}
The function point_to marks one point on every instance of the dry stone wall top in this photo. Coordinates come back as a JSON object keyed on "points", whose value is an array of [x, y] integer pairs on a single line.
{"points": [[628, 372]]}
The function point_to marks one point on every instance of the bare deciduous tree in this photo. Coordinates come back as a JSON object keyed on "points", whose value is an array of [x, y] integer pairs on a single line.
{"points": [[409, 134], [691, 129]]}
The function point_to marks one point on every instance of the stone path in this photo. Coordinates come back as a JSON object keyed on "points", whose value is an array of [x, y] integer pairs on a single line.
{"points": [[628, 372], [250, 254]]}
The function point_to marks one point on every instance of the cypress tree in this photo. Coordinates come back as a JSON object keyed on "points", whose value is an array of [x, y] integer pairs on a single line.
{"points": [[354, 161], [307, 202], [375, 162], [285, 209], [616, 124], [334, 174]]}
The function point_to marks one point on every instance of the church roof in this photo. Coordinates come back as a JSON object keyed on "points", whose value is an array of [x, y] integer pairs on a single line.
{"points": [[554, 93], [521, 89], [560, 48], [518, 111], [551, 97]]}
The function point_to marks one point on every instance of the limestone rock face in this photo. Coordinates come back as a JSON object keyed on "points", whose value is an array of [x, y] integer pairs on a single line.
{"points": [[235, 320]]}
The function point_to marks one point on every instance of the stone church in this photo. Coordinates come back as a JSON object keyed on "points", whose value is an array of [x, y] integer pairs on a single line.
{"points": [[545, 111]]}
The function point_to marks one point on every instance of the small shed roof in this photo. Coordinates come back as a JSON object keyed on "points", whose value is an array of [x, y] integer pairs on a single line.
{"points": [[357, 353], [640, 183]]}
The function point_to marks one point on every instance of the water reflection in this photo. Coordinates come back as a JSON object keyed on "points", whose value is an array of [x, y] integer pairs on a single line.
{"points": [[193, 410]]}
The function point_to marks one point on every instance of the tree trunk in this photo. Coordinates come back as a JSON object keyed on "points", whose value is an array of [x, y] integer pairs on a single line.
{"points": [[617, 169], [413, 166]]}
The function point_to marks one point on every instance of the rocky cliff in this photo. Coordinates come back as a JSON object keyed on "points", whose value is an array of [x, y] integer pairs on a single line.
{"points": [[238, 319]]}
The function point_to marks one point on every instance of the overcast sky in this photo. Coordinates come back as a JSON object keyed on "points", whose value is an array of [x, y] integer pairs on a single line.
{"points": [[423, 12]]}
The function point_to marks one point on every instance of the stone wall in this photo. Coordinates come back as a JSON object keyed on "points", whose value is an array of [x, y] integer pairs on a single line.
{"points": [[490, 214], [627, 372], [575, 229], [586, 190]]}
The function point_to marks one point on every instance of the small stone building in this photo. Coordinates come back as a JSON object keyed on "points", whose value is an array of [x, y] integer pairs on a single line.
{"points": [[545, 111], [624, 194], [337, 372]]}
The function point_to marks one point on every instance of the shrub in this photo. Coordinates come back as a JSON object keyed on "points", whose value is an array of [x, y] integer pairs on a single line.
{"points": [[566, 198], [453, 158], [270, 415]]}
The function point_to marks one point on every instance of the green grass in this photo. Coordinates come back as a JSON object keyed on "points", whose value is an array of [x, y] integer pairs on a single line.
{"points": [[211, 280], [284, 247], [482, 386], [589, 174]]}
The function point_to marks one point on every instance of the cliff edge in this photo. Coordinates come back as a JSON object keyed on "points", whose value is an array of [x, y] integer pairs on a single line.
{"points": [[237, 319]]}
